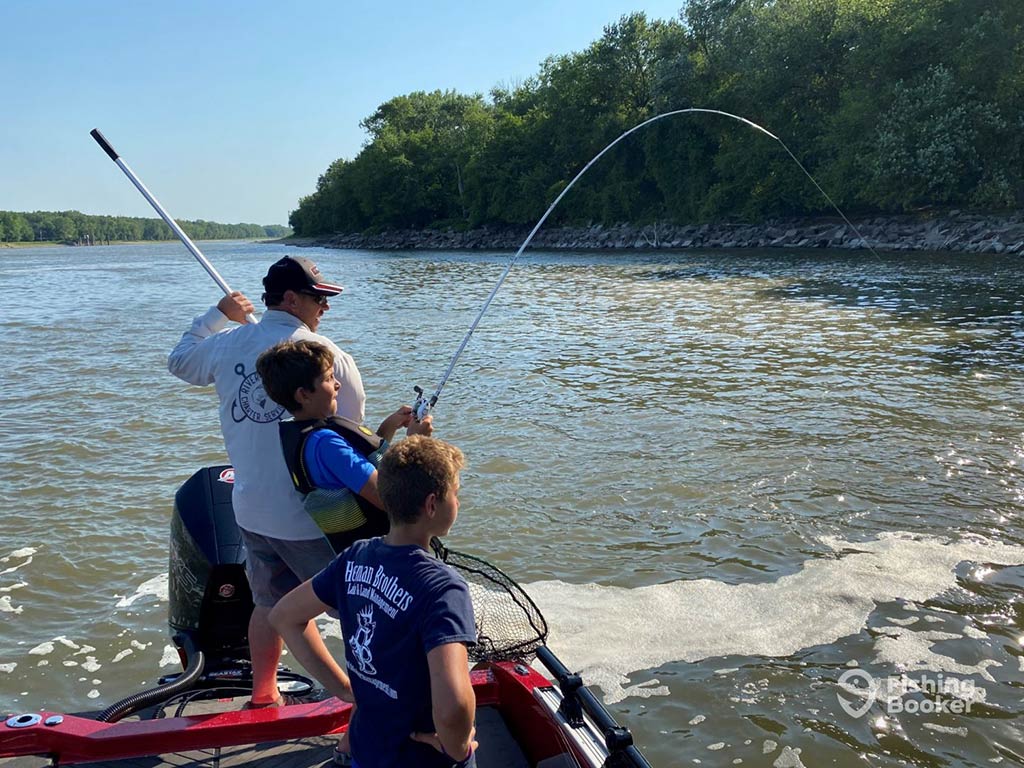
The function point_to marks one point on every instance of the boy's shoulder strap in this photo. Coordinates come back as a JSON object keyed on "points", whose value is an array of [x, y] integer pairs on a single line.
{"points": [[363, 439], [293, 442]]}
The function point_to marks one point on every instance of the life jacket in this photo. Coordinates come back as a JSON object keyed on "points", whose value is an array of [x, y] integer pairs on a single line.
{"points": [[333, 510]]}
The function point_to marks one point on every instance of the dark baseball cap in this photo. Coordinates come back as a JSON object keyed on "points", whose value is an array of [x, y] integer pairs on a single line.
{"points": [[294, 273]]}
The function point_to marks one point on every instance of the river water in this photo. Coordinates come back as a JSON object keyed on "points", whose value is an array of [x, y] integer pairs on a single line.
{"points": [[728, 479]]}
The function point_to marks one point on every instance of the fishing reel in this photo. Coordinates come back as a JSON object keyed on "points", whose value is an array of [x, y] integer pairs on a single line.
{"points": [[421, 408]]}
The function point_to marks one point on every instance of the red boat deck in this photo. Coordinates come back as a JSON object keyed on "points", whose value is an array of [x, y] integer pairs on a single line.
{"points": [[295, 753], [497, 750], [221, 722]]}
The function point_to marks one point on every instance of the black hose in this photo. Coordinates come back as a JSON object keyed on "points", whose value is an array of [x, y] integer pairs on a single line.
{"points": [[141, 700]]}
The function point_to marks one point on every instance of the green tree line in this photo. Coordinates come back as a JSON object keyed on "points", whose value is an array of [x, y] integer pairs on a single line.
{"points": [[891, 105], [75, 227]]}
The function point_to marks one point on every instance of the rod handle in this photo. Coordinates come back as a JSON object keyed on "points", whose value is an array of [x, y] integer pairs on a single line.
{"points": [[104, 144]]}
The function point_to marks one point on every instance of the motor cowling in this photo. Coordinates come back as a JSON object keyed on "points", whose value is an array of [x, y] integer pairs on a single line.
{"points": [[210, 600]]}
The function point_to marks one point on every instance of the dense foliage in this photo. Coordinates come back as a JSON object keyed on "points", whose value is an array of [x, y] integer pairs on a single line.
{"points": [[891, 105], [75, 227]]}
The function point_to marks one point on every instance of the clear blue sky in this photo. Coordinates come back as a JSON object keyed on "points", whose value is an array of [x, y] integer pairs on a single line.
{"points": [[229, 110]]}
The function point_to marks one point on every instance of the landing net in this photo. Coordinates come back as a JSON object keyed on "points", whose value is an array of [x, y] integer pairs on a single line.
{"points": [[509, 625]]}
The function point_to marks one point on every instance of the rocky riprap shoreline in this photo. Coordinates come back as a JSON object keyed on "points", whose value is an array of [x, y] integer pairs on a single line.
{"points": [[954, 231]]}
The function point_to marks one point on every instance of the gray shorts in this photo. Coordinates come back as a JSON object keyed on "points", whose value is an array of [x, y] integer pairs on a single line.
{"points": [[275, 567]]}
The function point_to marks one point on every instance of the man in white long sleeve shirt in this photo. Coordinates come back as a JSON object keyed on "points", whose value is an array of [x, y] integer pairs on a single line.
{"points": [[284, 547]]}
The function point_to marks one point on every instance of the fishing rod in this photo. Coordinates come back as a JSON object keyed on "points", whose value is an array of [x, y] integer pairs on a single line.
{"points": [[424, 405], [105, 146]]}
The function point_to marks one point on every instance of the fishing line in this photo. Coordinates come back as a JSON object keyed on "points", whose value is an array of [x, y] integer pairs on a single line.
{"points": [[424, 405]]}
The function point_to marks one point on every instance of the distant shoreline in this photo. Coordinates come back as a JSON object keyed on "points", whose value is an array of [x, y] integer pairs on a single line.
{"points": [[952, 231], [56, 244]]}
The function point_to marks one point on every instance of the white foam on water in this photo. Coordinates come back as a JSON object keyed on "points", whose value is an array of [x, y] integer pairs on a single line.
{"points": [[48, 647], [122, 654], [13, 568], [24, 552], [911, 651], [690, 620], [716, 746], [698, 720], [646, 689], [7, 607], [768, 747], [90, 664], [170, 657], [139, 646], [946, 729], [789, 758], [13, 587], [9, 667], [93, 694], [157, 587], [329, 628]]}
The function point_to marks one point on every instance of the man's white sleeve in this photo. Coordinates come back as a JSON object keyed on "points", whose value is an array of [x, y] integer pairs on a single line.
{"points": [[192, 360]]}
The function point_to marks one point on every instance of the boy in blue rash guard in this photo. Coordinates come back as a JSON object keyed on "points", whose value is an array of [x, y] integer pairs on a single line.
{"points": [[406, 618], [331, 460]]}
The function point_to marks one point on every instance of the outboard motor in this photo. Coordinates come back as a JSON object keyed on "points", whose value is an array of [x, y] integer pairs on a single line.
{"points": [[210, 600]]}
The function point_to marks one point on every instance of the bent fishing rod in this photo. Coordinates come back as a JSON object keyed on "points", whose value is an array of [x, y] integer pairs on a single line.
{"points": [[424, 405], [112, 153]]}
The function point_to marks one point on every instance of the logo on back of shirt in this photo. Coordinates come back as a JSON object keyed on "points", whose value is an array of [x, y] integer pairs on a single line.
{"points": [[253, 402], [361, 639]]}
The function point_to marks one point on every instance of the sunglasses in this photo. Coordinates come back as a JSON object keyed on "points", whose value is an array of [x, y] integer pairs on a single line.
{"points": [[318, 297]]}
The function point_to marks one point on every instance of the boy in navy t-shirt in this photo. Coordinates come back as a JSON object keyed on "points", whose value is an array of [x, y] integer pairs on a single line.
{"points": [[406, 618]]}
